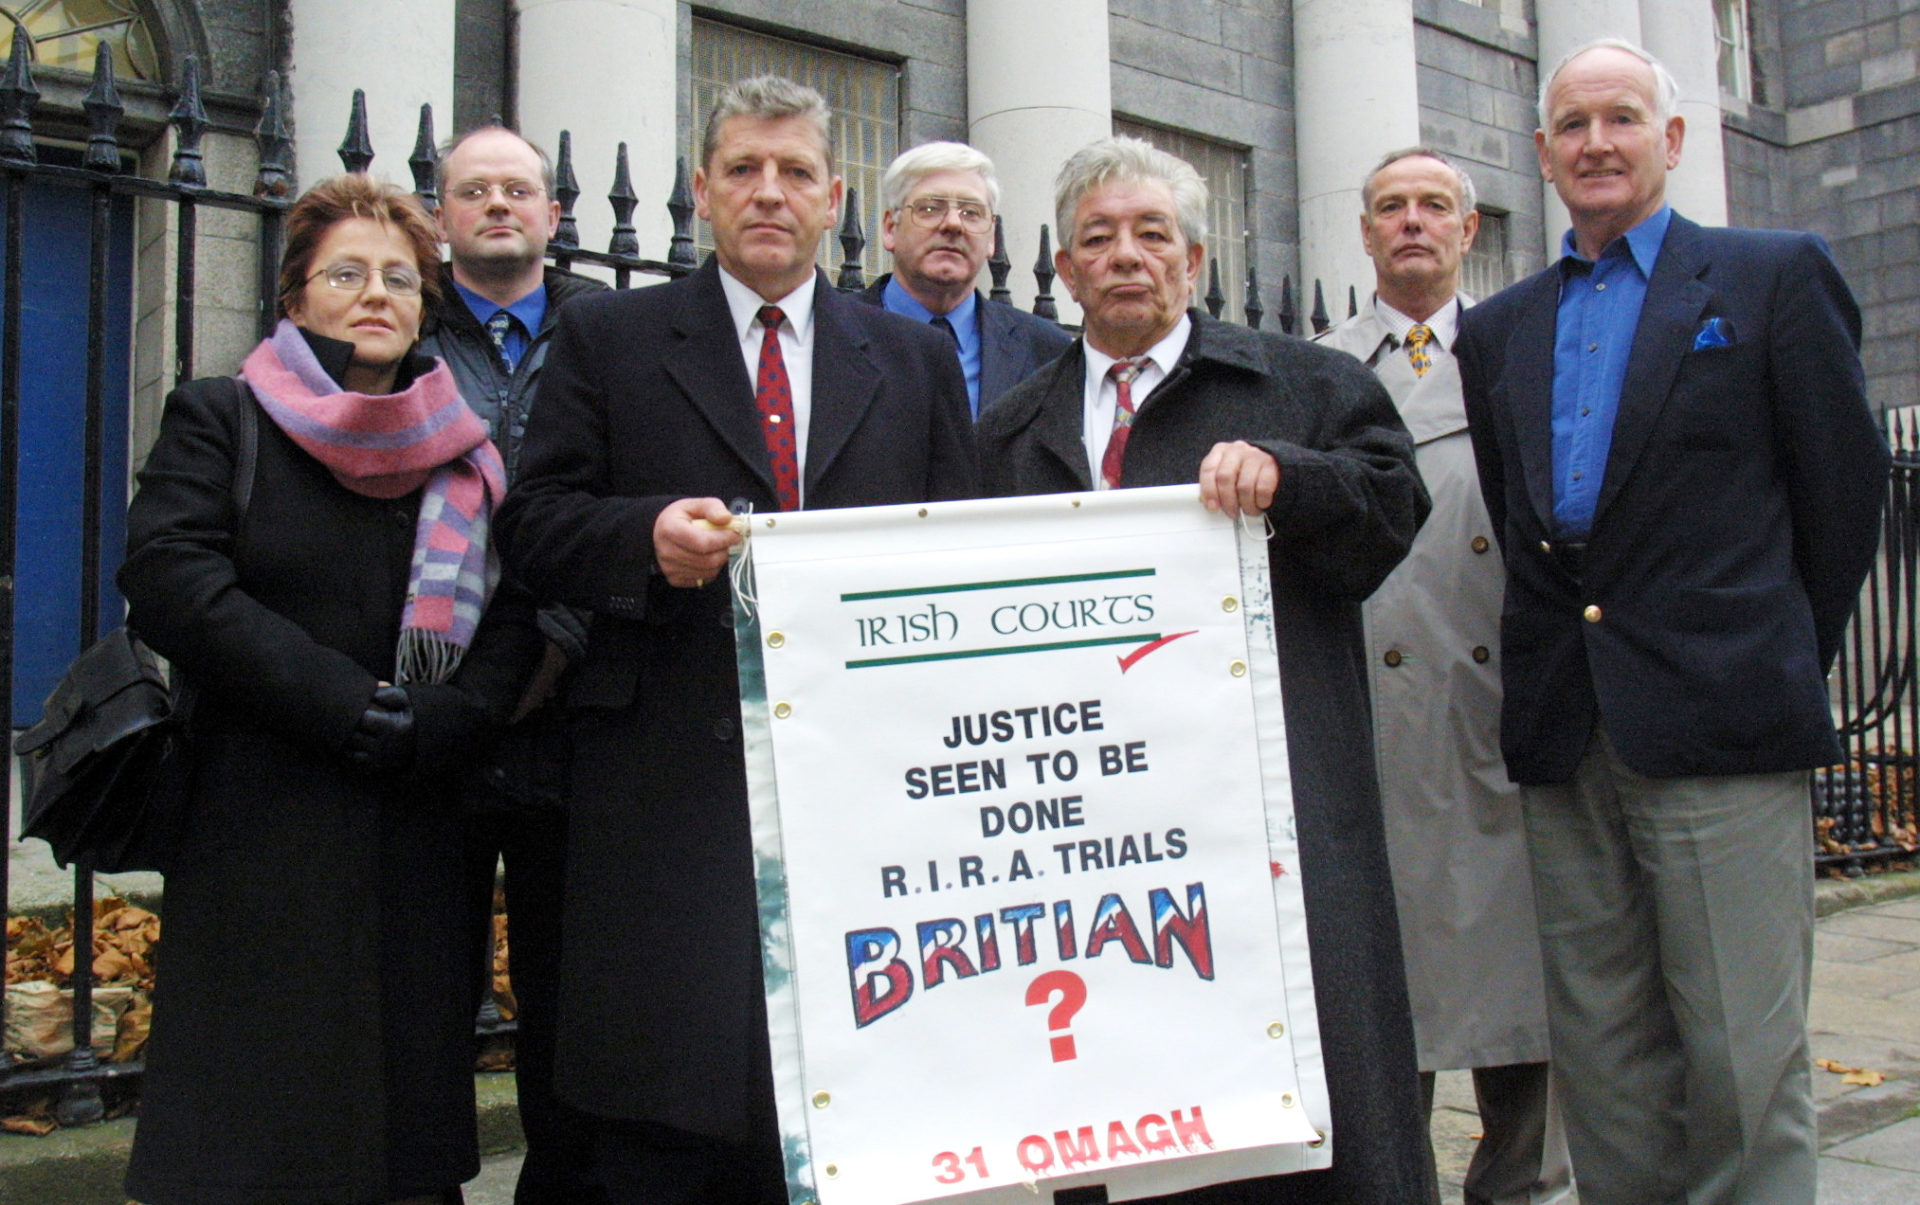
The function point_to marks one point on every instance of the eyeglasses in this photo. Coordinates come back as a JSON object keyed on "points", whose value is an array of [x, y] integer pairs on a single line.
{"points": [[353, 276], [476, 192], [931, 212]]}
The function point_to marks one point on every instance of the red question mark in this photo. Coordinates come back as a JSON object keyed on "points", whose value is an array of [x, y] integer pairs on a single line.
{"points": [[1073, 994]]}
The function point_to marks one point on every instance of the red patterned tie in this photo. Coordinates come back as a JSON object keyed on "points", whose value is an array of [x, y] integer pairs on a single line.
{"points": [[774, 394], [1122, 372]]}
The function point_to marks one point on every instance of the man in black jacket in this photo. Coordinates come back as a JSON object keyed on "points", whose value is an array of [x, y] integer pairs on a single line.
{"points": [[497, 214]]}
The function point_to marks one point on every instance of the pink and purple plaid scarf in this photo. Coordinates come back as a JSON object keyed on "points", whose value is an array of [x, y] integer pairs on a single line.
{"points": [[387, 446]]}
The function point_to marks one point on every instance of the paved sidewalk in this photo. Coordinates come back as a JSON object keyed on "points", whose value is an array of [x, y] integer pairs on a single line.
{"points": [[1866, 1015]]}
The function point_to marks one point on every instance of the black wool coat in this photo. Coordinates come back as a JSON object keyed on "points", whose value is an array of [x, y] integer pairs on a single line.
{"points": [[1348, 505], [645, 400], [313, 1020]]}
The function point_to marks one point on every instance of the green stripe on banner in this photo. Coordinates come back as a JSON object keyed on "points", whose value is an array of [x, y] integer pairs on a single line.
{"points": [[909, 592], [1010, 650]]}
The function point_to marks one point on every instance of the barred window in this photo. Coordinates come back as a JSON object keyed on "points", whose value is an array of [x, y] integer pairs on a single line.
{"points": [[1225, 169], [65, 34], [864, 95], [1485, 271]]}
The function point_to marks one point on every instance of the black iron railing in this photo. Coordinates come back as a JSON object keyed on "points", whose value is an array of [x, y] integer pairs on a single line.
{"points": [[77, 1078], [1865, 809]]}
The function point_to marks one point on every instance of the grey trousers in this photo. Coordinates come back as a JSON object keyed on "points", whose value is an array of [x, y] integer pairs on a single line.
{"points": [[1522, 1155], [1676, 919]]}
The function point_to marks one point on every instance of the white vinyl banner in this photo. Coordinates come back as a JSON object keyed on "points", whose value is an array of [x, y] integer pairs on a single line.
{"points": [[1029, 889]]}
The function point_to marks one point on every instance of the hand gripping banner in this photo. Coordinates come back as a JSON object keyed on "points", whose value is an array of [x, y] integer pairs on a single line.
{"points": [[1029, 891]]}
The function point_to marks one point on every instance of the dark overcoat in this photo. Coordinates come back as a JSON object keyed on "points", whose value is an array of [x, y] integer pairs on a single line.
{"points": [[313, 1021], [646, 400], [1739, 511], [1348, 505]]}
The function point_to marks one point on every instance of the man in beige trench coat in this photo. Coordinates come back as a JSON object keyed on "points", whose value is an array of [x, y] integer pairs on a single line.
{"points": [[1454, 829]]}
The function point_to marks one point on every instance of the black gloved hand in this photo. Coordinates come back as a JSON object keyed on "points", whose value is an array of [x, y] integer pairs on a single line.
{"points": [[382, 740]]}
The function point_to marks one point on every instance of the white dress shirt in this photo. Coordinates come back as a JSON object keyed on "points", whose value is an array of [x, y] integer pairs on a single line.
{"points": [[796, 349], [1445, 325], [1102, 395]]}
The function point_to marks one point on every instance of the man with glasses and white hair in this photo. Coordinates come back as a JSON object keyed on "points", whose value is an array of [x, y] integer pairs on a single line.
{"points": [[940, 198], [1304, 439], [499, 305], [1675, 445]]}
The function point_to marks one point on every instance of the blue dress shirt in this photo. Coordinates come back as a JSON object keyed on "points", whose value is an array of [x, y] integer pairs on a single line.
{"points": [[1600, 303], [966, 324], [528, 313]]}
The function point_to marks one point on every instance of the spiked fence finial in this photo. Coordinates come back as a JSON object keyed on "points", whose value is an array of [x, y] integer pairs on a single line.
{"points": [[104, 111], [356, 149], [18, 96]]}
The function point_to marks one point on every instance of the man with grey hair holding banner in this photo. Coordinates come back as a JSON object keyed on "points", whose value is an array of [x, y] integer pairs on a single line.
{"points": [[940, 198], [1304, 438], [1459, 850]]}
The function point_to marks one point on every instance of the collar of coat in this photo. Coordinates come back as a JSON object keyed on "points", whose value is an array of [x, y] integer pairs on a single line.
{"points": [[1050, 401], [453, 313]]}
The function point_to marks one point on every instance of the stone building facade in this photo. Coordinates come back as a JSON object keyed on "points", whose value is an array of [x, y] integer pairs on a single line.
{"points": [[1802, 113]]}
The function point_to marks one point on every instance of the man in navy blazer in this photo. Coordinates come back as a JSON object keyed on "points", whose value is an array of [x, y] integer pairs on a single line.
{"points": [[940, 198], [750, 380], [1676, 449]]}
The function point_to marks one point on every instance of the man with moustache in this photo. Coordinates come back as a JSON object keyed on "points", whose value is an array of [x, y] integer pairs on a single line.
{"points": [[1676, 449], [501, 302], [1453, 817], [751, 380], [1302, 437], [940, 198]]}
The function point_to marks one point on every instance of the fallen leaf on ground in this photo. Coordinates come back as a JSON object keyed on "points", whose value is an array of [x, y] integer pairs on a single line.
{"points": [[38, 1127], [1851, 1075]]}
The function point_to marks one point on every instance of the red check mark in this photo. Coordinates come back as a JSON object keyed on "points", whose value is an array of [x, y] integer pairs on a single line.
{"points": [[1126, 662]]}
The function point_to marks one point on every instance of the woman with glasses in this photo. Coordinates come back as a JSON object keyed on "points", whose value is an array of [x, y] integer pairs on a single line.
{"points": [[309, 547]]}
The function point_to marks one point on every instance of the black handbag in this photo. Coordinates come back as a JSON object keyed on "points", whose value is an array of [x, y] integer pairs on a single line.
{"points": [[102, 778], [104, 771]]}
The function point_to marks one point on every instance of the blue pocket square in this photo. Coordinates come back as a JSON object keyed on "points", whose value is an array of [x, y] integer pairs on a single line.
{"points": [[1714, 332]]}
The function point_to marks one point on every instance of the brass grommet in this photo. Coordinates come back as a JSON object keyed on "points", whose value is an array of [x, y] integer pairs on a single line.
{"points": [[821, 1100], [1229, 604], [1238, 669], [1286, 1100], [833, 1171], [1319, 1142], [923, 512], [1276, 1030], [776, 640], [782, 710]]}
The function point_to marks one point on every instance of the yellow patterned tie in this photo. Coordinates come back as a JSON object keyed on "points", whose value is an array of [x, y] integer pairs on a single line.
{"points": [[1417, 340]]}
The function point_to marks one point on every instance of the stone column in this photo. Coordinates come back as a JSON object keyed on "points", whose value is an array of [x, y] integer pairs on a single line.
{"points": [[1355, 98], [608, 71], [402, 60], [1039, 87], [1560, 26], [1682, 37]]}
